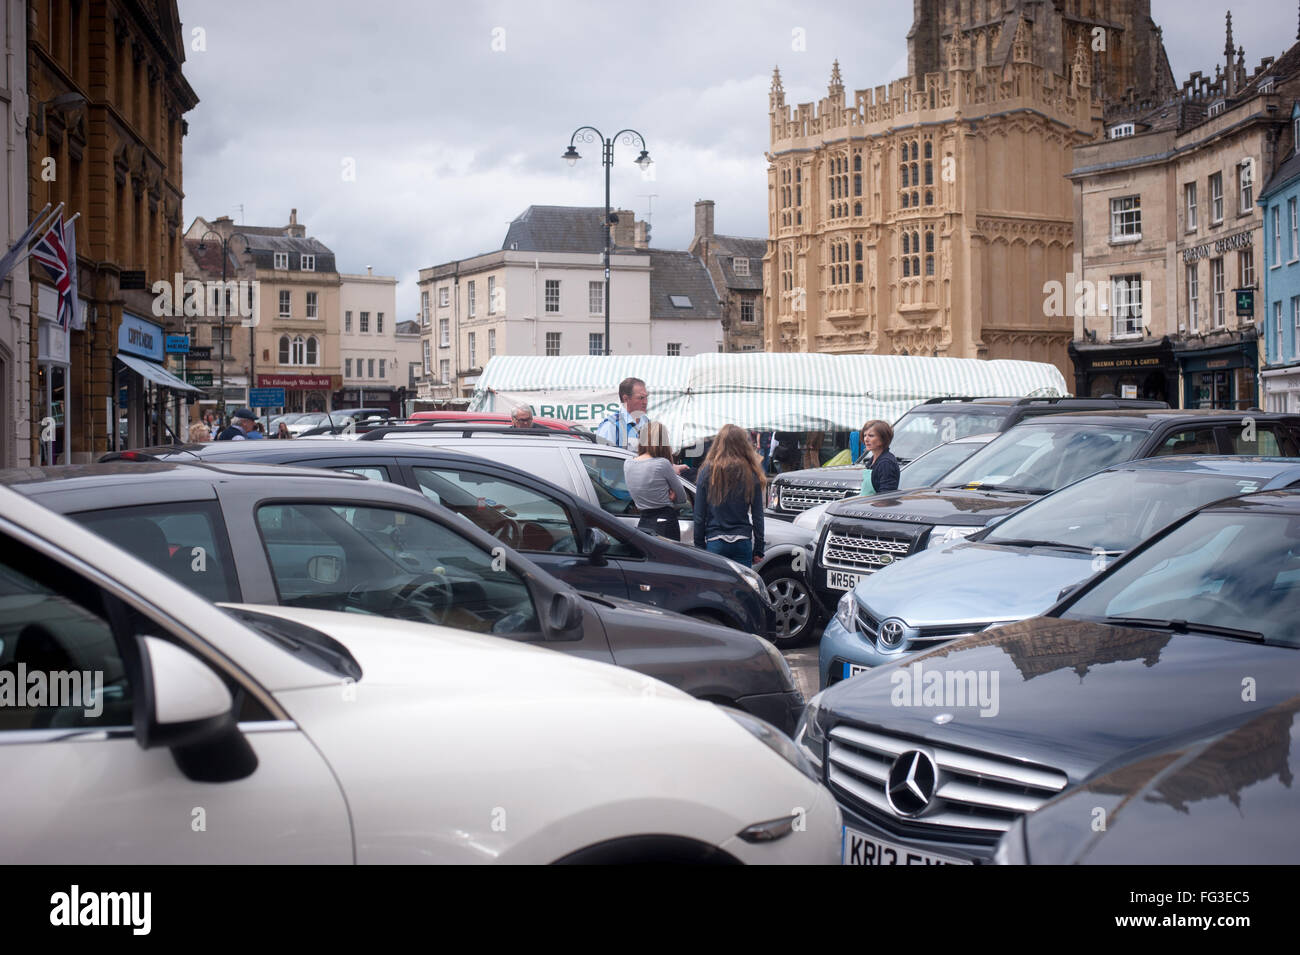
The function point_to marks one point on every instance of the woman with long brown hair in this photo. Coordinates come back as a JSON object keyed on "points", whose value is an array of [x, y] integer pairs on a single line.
{"points": [[654, 485], [729, 498]]}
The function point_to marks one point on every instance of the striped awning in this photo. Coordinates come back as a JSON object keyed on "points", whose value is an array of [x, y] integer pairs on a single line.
{"points": [[695, 396]]}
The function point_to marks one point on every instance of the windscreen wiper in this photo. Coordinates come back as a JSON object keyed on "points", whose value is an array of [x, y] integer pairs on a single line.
{"points": [[1187, 626], [1025, 542]]}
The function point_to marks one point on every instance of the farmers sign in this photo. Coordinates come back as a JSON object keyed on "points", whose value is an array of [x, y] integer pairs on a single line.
{"points": [[580, 407]]}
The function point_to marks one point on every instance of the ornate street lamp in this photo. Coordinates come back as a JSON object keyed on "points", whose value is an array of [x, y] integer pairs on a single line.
{"points": [[225, 261], [629, 137]]}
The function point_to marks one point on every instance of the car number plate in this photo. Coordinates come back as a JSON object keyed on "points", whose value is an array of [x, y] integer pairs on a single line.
{"points": [[853, 669], [843, 580], [862, 849]]}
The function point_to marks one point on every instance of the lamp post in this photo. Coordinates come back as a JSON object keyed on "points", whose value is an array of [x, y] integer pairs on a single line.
{"points": [[225, 297], [629, 137]]}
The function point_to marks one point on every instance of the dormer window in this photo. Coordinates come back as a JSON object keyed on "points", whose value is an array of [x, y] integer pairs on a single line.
{"points": [[282, 260], [741, 266], [1120, 130], [1217, 108], [309, 263], [1266, 84]]}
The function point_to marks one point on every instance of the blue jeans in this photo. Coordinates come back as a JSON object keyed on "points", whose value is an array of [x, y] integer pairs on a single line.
{"points": [[742, 552]]}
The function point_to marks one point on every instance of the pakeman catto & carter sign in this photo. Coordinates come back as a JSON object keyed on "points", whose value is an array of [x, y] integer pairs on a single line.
{"points": [[138, 336]]}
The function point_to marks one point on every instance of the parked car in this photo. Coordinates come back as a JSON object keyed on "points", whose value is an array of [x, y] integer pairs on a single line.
{"points": [[1034, 458], [1023, 564], [321, 540], [934, 422], [345, 419], [1224, 799], [1191, 633], [925, 471], [284, 735], [487, 417], [547, 523]]}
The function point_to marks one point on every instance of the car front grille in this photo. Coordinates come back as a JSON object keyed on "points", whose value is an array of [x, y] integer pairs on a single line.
{"points": [[800, 497], [863, 552], [976, 795]]}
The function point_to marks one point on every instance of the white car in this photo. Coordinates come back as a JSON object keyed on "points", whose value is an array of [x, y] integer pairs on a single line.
{"points": [[141, 724]]}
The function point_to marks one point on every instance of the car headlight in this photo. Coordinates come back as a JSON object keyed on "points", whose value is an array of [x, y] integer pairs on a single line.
{"points": [[749, 576], [846, 613], [809, 736], [779, 661], [774, 740], [774, 495], [812, 518], [947, 534]]}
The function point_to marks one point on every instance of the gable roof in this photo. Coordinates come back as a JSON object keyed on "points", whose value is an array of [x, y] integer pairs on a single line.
{"points": [[677, 274], [725, 248], [1286, 172], [557, 229]]}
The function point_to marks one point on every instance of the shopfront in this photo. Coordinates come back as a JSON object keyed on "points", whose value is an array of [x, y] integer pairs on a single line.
{"points": [[1222, 377], [303, 392], [1140, 370], [150, 402], [1282, 388]]}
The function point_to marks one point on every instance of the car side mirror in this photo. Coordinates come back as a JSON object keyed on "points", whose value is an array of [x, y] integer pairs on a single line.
{"points": [[595, 544], [186, 707], [565, 612], [325, 569]]}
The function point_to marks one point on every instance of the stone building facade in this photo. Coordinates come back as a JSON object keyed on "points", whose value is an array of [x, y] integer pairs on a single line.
{"points": [[107, 105], [925, 217], [735, 265]]}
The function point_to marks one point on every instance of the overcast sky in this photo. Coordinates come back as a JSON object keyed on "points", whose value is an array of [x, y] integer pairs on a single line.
{"points": [[454, 115]]}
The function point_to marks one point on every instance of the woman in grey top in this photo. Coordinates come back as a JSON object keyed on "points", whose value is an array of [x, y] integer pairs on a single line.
{"points": [[654, 485]]}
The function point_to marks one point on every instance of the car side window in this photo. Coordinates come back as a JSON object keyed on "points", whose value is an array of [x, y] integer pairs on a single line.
{"points": [[60, 665], [1268, 439], [393, 563], [371, 473], [187, 541], [515, 514], [1189, 441], [605, 472]]}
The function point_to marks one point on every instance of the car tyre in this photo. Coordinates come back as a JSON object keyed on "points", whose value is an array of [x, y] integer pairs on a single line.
{"points": [[795, 614]]}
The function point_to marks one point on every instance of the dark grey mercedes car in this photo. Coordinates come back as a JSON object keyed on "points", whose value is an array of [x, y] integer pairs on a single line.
{"points": [[328, 540]]}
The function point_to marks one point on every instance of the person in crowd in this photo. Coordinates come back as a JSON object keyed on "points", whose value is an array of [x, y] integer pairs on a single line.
{"points": [[283, 431], [242, 427], [653, 482], [881, 473], [521, 417], [622, 428], [729, 498], [200, 433]]}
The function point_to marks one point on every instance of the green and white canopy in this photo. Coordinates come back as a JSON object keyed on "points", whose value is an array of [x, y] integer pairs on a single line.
{"points": [[695, 396]]}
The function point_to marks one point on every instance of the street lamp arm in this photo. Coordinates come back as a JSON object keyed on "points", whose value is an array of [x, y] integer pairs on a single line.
{"points": [[629, 141], [600, 137]]}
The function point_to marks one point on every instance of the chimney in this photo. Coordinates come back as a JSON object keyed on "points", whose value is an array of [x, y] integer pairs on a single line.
{"points": [[293, 228], [370, 270], [624, 228], [704, 219], [642, 240]]}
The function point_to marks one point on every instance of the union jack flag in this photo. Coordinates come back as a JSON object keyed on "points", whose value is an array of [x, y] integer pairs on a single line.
{"points": [[52, 251]]}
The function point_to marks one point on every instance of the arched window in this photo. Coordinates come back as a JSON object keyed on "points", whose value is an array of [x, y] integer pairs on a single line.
{"points": [[299, 351], [857, 273], [929, 198], [913, 150], [907, 243], [857, 185], [313, 357], [916, 199], [904, 200], [857, 251], [904, 175], [857, 208], [857, 163], [929, 149], [284, 349], [929, 240], [929, 265], [907, 268]]}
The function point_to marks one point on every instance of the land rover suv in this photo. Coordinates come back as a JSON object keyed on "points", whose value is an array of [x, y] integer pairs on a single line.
{"points": [[1040, 455], [924, 427]]}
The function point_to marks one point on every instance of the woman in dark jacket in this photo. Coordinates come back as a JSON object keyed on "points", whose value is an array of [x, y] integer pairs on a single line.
{"points": [[729, 498], [882, 473]]}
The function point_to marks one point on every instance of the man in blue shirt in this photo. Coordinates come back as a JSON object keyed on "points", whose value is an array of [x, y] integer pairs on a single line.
{"points": [[622, 428]]}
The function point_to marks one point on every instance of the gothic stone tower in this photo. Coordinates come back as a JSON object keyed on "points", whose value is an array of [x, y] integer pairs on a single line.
{"points": [[924, 217]]}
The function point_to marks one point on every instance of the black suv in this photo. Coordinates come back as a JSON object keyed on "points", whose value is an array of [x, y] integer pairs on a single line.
{"points": [[333, 541], [1039, 455], [924, 427], [580, 544]]}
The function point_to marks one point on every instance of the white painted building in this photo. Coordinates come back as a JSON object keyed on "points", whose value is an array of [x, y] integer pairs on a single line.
{"points": [[372, 373]]}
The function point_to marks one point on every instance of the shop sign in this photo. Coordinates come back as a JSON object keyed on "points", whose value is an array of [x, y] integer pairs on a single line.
{"points": [[140, 337]]}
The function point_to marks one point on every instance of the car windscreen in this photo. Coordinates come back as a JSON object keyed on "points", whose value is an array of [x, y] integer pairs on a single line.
{"points": [[1233, 569], [1042, 457], [920, 430], [1111, 512], [934, 464]]}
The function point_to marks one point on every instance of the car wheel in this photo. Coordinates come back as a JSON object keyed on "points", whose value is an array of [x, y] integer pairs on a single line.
{"points": [[795, 614]]}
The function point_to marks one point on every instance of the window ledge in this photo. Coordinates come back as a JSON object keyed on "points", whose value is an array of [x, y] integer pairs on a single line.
{"points": [[1125, 239]]}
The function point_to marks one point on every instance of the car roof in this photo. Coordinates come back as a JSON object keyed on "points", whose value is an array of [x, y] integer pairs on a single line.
{"points": [[1285, 502], [1137, 415], [1227, 464], [116, 472]]}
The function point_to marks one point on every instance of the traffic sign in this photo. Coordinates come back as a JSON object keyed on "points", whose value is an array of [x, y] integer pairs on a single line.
{"points": [[266, 398]]}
